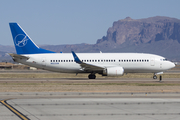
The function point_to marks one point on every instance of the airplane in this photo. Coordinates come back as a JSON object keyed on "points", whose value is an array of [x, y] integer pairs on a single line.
{"points": [[106, 64]]}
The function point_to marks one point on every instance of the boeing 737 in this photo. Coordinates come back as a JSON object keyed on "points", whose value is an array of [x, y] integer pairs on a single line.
{"points": [[106, 64]]}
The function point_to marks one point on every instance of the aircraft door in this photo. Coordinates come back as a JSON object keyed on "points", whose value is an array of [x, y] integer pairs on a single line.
{"points": [[152, 61]]}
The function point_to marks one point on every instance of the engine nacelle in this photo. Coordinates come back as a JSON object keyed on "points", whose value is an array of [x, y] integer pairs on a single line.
{"points": [[113, 71]]}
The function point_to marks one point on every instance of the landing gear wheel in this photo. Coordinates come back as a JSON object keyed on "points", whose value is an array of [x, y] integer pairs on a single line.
{"points": [[92, 76], [160, 78], [154, 77]]}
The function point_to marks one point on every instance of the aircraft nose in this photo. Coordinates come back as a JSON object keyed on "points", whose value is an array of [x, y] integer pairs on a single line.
{"points": [[172, 65], [169, 65]]}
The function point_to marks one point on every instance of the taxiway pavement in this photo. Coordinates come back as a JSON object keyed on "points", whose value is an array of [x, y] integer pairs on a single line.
{"points": [[89, 105], [93, 108]]}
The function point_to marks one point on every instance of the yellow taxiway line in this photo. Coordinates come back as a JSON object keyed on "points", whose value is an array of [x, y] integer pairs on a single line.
{"points": [[16, 112]]}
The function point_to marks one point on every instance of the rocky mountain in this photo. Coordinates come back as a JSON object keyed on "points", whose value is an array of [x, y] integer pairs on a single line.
{"points": [[142, 31], [158, 35]]}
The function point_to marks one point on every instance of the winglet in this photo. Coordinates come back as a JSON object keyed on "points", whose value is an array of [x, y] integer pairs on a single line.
{"points": [[77, 60]]}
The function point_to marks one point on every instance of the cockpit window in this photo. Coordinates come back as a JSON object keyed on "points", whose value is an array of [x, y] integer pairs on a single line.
{"points": [[164, 59]]}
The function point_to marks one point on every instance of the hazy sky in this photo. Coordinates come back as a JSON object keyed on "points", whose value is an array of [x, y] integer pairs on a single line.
{"points": [[57, 22]]}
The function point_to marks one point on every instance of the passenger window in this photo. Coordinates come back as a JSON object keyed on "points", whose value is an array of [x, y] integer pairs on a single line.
{"points": [[129, 60], [134, 60], [53, 60]]}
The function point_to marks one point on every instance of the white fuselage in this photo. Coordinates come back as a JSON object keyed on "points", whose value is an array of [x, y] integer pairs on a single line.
{"points": [[131, 62]]}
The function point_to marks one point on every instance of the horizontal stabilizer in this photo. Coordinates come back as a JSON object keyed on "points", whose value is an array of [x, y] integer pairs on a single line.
{"points": [[18, 56]]}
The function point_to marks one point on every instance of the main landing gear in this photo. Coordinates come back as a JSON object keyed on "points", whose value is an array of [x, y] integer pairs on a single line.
{"points": [[155, 77], [92, 76]]}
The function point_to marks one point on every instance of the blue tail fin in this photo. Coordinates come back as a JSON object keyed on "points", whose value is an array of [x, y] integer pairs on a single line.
{"points": [[23, 43]]}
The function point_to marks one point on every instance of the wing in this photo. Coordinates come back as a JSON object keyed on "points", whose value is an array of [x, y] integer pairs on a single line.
{"points": [[87, 66], [18, 56]]}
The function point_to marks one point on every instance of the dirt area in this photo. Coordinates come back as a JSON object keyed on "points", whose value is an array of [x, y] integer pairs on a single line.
{"points": [[87, 88], [85, 85], [44, 81]]}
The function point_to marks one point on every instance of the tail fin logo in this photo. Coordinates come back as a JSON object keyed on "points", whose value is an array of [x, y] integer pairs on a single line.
{"points": [[21, 40]]}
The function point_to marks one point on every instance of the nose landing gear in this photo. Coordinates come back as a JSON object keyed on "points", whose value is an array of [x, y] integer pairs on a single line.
{"points": [[155, 77], [160, 78]]}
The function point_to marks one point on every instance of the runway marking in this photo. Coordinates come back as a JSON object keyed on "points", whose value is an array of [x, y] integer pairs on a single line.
{"points": [[12, 109]]}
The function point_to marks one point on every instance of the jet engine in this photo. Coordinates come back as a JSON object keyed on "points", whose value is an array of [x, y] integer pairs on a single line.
{"points": [[113, 71]]}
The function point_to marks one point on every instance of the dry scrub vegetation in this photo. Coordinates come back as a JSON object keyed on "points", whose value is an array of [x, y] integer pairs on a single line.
{"points": [[58, 82], [40, 81], [70, 75]]}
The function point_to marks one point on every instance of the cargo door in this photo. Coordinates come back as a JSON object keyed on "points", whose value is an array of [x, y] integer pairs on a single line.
{"points": [[44, 62]]}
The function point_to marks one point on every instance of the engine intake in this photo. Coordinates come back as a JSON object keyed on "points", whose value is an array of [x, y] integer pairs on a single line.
{"points": [[113, 71]]}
